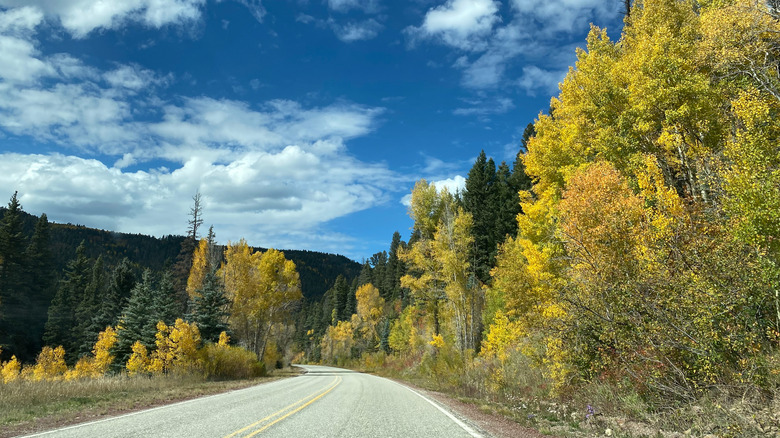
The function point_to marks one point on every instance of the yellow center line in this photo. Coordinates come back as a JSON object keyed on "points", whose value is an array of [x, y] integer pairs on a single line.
{"points": [[335, 383], [296, 410]]}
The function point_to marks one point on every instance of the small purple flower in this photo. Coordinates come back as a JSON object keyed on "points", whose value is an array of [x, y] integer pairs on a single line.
{"points": [[590, 413]]}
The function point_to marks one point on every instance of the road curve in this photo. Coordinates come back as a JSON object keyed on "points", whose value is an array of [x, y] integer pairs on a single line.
{"points": [[323, 402]]}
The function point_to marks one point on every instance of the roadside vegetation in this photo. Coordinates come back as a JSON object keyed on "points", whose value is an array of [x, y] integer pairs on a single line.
{"points": [[637, 289]]}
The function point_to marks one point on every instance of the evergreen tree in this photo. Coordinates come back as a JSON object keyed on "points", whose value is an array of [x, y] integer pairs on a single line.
{"points": [[164, 305], [394, 271], [508, 206], [350, 306], [479, 199], [83, 334], [40, 284], [61, 321], [138, 321], [340, 290], [528, 133], [14, 299], [210, 308], [365, 274]]}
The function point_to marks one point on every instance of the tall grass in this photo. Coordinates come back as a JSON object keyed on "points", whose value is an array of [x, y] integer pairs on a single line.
{"points": [[29, 406]]}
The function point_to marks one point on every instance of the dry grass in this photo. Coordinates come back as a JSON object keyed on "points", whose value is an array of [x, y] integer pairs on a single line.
{"points": [[27, 407]]}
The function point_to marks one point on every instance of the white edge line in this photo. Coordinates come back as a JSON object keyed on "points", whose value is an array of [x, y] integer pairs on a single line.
{"points": [[103, 420], [457, 421]]}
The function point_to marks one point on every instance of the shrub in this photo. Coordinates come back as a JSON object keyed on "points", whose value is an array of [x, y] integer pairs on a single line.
{"points": [[226, 362]]}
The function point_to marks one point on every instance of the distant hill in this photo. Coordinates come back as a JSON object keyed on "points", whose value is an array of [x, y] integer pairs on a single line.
{"points": [[318, 271]]}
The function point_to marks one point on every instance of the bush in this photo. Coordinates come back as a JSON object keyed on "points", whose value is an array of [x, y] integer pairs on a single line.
{"points": [[226, 362]]}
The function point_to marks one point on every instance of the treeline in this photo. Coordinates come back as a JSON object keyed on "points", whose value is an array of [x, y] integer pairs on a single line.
{"points": [[368, 314], [645, 252], [77, 280], [107, 319]]}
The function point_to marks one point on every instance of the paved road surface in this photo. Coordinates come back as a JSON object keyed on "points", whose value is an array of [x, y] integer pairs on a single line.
{"points": [[324, 402]]}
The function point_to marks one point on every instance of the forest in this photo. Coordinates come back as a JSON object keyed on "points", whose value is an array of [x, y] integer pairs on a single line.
{"points": [[63, 284], [628, 258]]}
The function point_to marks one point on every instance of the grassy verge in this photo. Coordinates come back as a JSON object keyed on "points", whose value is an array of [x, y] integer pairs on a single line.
{"points": [[27, 407]]}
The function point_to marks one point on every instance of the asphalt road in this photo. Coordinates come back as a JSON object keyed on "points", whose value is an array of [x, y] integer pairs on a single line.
{"points": [[324, 402]]}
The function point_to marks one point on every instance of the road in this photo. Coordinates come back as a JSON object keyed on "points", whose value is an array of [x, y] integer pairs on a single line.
{"points": [[323, 402]]}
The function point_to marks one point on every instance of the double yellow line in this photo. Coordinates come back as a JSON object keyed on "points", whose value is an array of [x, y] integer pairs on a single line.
{"points": [[285, 412]]}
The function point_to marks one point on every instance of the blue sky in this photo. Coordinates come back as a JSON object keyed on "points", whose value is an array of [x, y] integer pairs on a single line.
{"points": [[303, 123]]}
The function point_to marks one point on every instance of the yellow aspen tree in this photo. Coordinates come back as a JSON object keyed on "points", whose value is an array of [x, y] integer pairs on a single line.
{"points": [[263, 288], [184, 340], [200, 266], [138, 361], [369, 311], [50, 364], [10, 371], [162, 357], [224, 339]]}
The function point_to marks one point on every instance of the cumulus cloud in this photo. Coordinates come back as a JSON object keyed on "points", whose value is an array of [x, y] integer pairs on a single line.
{"points": [[566, 16], [535, 79], [531, 32], [452, 185], [459, 23], [273, 172], [80, 17]]}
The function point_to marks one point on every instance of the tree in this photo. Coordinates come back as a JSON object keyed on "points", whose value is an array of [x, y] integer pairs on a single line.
{"points": [[262, 287], [14, 296], [138, 322], [40, 279], [61, 324], [181, 269], [210, 308], [88, 308], [480, 200], [370, 307], [111, 303]]}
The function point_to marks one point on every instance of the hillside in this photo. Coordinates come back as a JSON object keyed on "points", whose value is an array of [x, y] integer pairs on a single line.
{"points": [[318, 271]]}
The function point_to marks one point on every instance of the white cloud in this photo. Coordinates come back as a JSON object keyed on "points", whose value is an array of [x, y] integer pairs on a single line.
{"points": [[80, 17], [499, 105], [463, 24], [132, 77], [255, 7], [453, 185], [535, 79], [368, 6], [566, 16], [274, 172], [533, 32], [355, 31]]}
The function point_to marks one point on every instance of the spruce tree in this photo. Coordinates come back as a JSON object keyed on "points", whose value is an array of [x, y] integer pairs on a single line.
{"points": [[83, 334], [61, 321], [210, 308], [14, 299], [479, 199], [40, 284], [138, 321]]}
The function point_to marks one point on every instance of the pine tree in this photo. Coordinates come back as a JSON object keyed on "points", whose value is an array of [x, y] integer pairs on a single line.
{"points": [[339, 290], [14, 299], [138, 321], [40, 284], [479, 199], [84, 337], [61, 321], [164, 304], [210, 308]]}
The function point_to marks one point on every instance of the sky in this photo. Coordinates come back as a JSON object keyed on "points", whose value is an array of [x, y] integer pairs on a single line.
{"points": [[303, 124]]}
